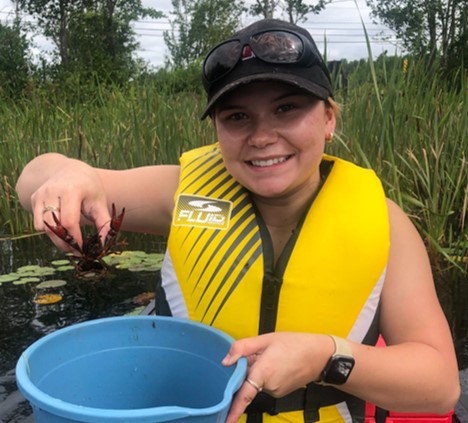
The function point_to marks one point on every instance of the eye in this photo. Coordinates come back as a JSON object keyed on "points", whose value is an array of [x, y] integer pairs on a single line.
{"points": [[237, 116], [286, 108]]}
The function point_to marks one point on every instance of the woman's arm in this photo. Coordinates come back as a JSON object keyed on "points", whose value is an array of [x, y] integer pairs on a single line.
{"points": [[85, 194], [416, 372]]}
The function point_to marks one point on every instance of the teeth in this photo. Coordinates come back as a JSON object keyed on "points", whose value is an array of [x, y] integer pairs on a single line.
{"points": [[270, 162]]}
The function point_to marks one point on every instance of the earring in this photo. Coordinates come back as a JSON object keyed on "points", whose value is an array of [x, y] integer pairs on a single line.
{"points": [[329, 138]]}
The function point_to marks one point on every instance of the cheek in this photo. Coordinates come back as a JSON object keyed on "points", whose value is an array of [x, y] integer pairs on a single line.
{"points": [[230, 144], [231, 155]]}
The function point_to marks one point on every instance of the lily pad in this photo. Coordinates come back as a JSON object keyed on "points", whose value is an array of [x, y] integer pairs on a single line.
{"points": [[136, 268], [65, 268], [152, 268], [10, 277], [156, 256], [53, 283], [27, 274], [136, 311], [137, 253], [45, 271], [132, 253], [48, 299], [136, 261], [60, 263], [28, 268], [30, 279]]}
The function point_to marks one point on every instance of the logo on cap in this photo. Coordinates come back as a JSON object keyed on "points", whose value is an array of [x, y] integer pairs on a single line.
{"points": [[203, 212], [247, 53]]}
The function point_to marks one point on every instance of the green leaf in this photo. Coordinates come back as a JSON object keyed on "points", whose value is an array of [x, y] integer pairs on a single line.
{"points": [[53, 283]]}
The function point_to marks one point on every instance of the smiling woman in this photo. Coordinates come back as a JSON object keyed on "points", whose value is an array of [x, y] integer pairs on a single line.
{"points": [[305, 244], [266, 140]]}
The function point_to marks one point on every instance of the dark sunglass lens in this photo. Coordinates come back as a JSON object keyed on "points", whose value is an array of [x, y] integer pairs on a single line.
{"points": [[277, 47], [221, 60]]}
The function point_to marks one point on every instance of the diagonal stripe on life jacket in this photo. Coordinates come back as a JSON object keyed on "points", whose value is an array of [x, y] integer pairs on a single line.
{"points": [[247, 233], [235, 210], [233, 185], [241, 270], [222, 242], [202, 165]]}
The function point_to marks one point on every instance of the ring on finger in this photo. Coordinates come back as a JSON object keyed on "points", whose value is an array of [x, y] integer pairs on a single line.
{"points": [[254, 384], [50, 208]]}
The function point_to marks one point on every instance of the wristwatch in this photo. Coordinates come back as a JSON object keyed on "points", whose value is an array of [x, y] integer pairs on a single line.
{"points": [[340, 364]]}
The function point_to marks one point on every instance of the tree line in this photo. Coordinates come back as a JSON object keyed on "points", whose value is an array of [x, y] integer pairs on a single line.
{"points": [[94, 40]]}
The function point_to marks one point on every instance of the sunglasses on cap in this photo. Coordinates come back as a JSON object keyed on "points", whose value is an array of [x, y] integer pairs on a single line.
{"points": [[278, 47]]}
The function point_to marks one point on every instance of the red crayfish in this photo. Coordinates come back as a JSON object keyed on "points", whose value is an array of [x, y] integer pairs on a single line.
{"points": [[90, 258]]}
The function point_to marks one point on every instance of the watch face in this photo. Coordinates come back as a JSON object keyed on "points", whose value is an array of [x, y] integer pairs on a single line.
{"points": [[338, 370]]}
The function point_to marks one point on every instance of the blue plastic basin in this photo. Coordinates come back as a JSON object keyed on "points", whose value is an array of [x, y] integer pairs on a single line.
{"points": [[130, 369]]}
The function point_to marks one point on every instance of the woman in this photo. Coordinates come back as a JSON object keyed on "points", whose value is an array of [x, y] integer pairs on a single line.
{"points": [[298, 255]]}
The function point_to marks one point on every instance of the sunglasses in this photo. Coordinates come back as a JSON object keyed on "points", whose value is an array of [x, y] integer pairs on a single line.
{"points": [[273, 46]]}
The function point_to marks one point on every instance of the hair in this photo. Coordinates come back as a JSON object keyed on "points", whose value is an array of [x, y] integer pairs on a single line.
{"points": [[332, 104]]}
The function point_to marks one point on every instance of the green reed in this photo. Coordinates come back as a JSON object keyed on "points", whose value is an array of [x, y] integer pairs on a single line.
{"points": [[119, 128], [409, 124], [412, 131]]}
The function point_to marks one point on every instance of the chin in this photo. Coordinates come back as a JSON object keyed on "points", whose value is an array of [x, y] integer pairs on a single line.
{"points": [[268, 192]]}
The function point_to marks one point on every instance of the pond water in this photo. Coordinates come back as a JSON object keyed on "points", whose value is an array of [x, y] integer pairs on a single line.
{"points": [[22, 321]]}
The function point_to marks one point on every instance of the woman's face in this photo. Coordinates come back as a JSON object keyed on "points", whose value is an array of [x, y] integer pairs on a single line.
{"points": [[272, 138]]}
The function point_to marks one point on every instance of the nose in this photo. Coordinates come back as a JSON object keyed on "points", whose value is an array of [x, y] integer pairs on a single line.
{"points": [[263, 133]]}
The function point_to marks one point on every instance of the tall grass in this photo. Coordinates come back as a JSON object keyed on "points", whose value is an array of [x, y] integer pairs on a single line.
{"points": [[118, 128], [413, 132], [409, 124]]}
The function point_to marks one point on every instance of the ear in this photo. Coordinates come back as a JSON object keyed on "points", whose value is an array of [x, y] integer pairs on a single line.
{"points": [[330, 117]]}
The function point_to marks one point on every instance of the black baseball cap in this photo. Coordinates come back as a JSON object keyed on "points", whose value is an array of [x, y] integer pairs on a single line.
{"points": [[312, 76]]}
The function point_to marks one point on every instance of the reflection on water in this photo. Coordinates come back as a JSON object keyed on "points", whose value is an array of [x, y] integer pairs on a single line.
{"points": [[22, 321]]}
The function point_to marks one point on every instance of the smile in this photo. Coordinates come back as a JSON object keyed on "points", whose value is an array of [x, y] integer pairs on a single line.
{"points": [[269, 162]]}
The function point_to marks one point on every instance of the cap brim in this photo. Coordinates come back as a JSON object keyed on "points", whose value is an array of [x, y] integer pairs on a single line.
{"points": [[287, 78]]}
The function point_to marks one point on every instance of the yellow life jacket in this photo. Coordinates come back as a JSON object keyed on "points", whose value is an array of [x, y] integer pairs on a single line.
{"points": [[327, 280]]}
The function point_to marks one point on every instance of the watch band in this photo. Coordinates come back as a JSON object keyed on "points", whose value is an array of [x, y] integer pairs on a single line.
{"points": [[342, 346], [339, 365]]}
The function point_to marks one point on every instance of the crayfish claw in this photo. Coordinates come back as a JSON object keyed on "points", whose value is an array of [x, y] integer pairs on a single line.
{"points": [[92, 252], [116, 221], [63, 233]]}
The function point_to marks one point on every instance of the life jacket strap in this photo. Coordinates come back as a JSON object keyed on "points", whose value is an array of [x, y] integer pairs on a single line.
{"points": [[309, 399]]}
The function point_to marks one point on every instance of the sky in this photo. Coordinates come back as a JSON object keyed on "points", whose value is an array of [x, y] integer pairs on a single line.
{"points": [[337, 29]]}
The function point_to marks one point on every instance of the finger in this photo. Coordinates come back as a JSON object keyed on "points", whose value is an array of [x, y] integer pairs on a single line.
{"points": [[99, 215], [67, 224], [245, 348], [43, 212], [244, 396]]}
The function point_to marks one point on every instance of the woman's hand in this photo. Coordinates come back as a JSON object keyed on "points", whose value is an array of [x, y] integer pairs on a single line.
{"points": [[77, 190], [53, 183], [278, 363]]}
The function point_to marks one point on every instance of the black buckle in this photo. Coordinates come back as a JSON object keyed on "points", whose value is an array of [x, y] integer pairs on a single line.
{"points": [[263, 403]]}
